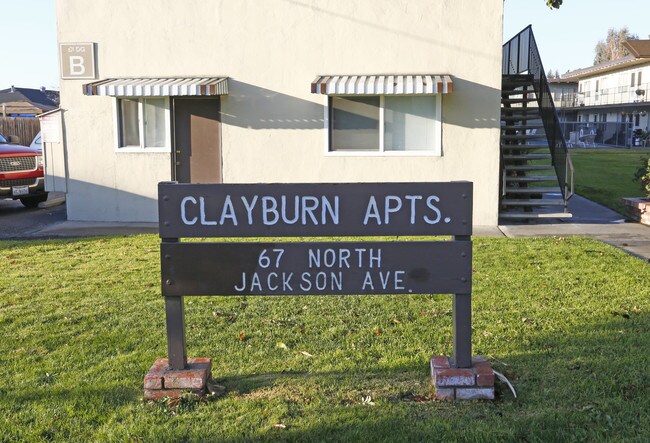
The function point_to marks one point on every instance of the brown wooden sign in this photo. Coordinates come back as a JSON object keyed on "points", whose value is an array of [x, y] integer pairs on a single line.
{"points": [[314, 210], [319, 268], [316, 268]]}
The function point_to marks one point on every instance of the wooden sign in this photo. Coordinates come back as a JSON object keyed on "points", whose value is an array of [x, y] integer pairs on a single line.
{"points": [[320, 268], [316, 268], [315, 210]]}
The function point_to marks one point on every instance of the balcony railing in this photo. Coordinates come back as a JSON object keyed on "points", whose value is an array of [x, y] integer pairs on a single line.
{"points": [[620, 95]]}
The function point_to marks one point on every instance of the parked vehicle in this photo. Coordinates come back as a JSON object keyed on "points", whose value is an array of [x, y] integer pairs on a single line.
{"points": [[21, 173], [37, 143]]}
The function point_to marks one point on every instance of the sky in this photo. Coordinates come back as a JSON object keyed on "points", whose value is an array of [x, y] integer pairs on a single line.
{"points": [[566, 37]]}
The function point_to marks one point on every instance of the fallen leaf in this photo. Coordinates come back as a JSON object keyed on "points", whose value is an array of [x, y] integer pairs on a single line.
{"points": [[280, 425], [306, 353], [281, 345], [241, 336], [377, 332], [173, 402]]}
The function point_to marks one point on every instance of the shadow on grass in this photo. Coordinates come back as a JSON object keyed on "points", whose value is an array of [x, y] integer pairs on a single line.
{"points": [[112, 396], [588, 384]]}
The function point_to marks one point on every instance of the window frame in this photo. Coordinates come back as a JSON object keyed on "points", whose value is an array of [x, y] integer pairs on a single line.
{"points": [[381, 152], [117, 127]]}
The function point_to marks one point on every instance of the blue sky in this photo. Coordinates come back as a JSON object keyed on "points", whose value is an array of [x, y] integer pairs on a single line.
{"points": [[566, 37]]}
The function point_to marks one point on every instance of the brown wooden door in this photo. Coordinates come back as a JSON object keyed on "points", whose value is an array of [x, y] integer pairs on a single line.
{"points": [[197, 140]]}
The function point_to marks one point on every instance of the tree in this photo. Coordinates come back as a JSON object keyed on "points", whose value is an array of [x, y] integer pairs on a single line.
{"points": [[612, 47], [554, 4]]}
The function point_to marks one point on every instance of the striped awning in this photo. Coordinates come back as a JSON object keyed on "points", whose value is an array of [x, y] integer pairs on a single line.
{"points": [[381, 84], [158, 87]]}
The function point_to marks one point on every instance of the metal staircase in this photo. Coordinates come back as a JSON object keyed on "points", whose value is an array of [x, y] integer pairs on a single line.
{"points": [[536, 169]]}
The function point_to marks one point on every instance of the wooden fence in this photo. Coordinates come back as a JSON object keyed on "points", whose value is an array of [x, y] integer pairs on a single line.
{"points": [[25, 128]]}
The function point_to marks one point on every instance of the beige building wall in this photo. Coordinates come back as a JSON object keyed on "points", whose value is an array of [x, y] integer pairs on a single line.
{"points": [[273, 127]]}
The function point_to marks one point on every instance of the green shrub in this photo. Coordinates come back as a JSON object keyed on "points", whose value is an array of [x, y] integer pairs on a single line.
{"points": [[643, 175]]}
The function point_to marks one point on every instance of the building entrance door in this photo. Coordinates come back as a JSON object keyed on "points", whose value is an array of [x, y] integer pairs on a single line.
{"points": [[197, 140]]}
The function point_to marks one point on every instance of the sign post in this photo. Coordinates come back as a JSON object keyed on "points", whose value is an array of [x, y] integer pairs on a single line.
{"points": [[316, 268]]}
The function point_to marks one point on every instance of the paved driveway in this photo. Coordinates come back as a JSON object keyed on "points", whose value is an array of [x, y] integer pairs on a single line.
{"points": [[17, 221]]}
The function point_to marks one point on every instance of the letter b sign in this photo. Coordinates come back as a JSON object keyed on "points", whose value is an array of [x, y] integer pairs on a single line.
{"points": [[77, 60]]}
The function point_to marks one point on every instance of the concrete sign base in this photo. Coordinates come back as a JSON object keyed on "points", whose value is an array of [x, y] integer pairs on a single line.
{"points": [[475, 383]]}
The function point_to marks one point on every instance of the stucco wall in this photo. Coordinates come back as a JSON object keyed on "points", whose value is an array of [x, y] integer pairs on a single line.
{"points": [[273, 128]]}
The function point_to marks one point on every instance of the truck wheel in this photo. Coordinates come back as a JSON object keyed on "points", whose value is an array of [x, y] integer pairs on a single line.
{"points": [[32, 202]]}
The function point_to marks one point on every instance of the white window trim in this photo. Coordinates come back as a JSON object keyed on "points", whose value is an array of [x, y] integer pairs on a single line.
{"points": [[141, 148], [435, 152]]}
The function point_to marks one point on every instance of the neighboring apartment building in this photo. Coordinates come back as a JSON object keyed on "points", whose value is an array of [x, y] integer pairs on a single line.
{"points": [[245, 91], [612, 100]]}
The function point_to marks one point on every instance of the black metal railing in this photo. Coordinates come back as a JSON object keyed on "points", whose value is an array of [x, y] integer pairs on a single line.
{"points": [[521, 56]]}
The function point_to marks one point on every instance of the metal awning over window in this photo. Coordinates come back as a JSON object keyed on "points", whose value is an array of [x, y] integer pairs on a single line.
{"points": [[158, 87], [381, 84]]}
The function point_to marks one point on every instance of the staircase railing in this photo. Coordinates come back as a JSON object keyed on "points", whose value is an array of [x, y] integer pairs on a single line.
{"points": [[520, 55]]}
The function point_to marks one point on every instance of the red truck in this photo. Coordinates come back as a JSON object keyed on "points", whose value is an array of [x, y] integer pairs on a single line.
{"points": [[21, 173]]}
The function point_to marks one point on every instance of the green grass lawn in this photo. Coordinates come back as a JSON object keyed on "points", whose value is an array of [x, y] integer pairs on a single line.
{"points": [[607, 175], [566, 320]]}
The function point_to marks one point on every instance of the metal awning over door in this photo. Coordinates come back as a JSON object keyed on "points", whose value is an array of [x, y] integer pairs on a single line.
{"points": [[382, 84], [158, 87]]}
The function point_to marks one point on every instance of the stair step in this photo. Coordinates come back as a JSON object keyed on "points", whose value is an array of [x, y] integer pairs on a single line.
{"points": [[512, 82], [533, 190], [518, 117], [531, 178], [517, 76], [517, 100], [525, 215], [529, 167], [533, 202], [523, 147], [520, 127], [519, 110], [523, 136], [526, 156], [517, 88]]}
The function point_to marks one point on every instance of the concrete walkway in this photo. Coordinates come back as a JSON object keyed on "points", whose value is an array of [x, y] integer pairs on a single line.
{"points": [[589, 220]]}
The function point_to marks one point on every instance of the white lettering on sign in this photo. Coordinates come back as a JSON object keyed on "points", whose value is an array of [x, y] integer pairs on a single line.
{"points": [[77, 66], [393, 204], [308, 210], [340, 258], [304, 210], [327, 271], [184, 202], [385, 280]]}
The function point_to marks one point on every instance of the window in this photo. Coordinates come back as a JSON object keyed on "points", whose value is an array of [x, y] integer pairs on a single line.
{"points": [[385, 124], [638, 79], [142, 124], [632, 80]]}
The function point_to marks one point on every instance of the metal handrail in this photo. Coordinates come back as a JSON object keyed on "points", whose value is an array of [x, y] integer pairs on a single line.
{"points": [[569, 177], [520, 55]]}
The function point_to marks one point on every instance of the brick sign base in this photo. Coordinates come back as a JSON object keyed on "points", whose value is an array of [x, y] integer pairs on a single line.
{"points": [[475, 383], [161, 381]]}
